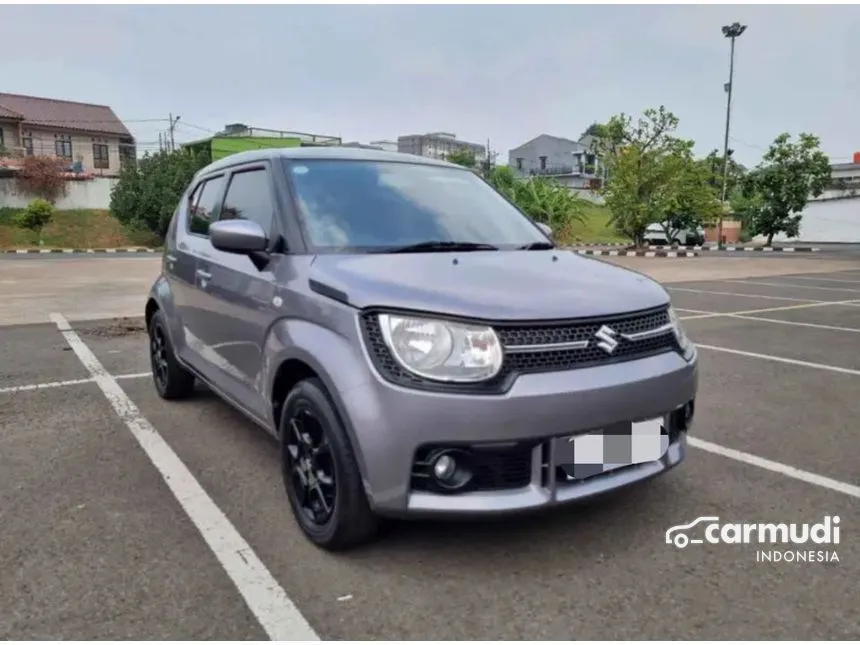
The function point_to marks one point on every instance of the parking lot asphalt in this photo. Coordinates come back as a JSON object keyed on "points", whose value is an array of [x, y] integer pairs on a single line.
{"points": [[97, 542]]}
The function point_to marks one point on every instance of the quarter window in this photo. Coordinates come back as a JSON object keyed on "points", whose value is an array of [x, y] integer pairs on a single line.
{"points": [[202, 205]]}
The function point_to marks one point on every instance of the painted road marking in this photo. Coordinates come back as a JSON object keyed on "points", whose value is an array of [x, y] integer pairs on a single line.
{"points": [[274, 610], [780, 359], [776, 467], [825, 303], [792, 286], [52, 384], [740, 295]]}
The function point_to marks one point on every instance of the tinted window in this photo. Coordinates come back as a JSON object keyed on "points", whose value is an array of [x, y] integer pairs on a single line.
{"points": [[248, 197], [371, 205], [203, 203]]}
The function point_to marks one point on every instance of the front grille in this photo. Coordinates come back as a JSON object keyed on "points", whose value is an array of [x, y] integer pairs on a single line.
{"points": [[518, 336]]}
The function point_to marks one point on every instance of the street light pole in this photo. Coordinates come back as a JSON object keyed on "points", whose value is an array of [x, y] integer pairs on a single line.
{"points": [[732, 32]]}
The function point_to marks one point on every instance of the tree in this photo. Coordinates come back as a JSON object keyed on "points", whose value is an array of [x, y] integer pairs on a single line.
{"points": [[777, 190], [464, 158], [42, 177], [713, 163], [594, 130], [645, 165], [691, 200], [36, 216], [146, 195]]}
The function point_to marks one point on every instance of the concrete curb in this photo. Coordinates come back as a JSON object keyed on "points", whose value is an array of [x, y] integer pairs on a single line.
{"points": [[638, 254], [44, 251], [759, 249], [592, 244]]}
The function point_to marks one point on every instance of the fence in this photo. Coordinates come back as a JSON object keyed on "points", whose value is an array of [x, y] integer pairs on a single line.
{"points": [[89, 193]]}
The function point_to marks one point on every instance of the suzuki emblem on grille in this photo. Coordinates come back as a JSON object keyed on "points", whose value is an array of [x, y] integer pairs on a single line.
{"points": [[606, 336]]}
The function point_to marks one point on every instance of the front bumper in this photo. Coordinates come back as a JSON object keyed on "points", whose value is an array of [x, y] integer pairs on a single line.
{"points": [[546, 488], [391, 424]]}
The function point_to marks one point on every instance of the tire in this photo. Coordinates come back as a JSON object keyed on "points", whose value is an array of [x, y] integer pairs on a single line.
{"points": [[346, 519], [172, 381]]}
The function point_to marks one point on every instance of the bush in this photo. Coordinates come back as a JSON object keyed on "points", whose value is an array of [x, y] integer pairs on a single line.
{"points": [[147, 192], [36, 216], [42, 177], [541, 198]]}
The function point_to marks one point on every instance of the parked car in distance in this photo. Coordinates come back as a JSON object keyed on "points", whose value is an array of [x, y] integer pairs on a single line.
{"points": [[417, 345], [666, 233]]}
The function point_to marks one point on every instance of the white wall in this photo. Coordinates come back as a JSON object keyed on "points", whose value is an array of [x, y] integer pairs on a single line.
{"points": [[836, 220], [91, 193]]}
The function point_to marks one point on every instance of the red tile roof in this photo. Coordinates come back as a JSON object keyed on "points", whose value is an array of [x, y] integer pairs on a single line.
{"points": [[84, 117], [9, 113]]}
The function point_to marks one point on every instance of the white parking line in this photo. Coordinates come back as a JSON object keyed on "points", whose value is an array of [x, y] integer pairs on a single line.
{"points": [[776, 467], [276, 613], [793, 286], [42, 386], [800, 277], [693, 311], [824, 303], [740, 295], [51, 384], [795, 323], [780, 359]]}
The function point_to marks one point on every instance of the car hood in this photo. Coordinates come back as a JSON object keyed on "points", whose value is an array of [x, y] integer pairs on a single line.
{"points": [[490, 285]]}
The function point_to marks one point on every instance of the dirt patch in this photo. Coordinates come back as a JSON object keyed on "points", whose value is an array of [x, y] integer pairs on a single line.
{"points": [[116, 328]]}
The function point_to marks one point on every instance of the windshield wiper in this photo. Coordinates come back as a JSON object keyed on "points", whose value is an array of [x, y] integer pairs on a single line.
{"points": [[439, 245], [536, 246]]}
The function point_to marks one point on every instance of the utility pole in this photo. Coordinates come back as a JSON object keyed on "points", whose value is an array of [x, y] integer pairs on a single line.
{"points": [[173, 123], [160, 143], [732, 32]]}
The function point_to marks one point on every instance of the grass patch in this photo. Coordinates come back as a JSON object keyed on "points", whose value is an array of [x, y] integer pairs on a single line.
{"points": [[79, 229], [596, 229]]}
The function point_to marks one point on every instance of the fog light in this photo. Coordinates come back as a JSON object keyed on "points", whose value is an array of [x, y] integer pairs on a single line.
{"points": [[451, 470], [444, 467]]}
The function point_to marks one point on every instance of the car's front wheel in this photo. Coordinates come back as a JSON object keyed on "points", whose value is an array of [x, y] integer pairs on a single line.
{"points": [[172, 381], [320, 471]]}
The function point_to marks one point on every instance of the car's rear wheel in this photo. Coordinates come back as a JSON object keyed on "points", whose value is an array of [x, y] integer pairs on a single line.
{"points": [[320, 471], [172, 381]]}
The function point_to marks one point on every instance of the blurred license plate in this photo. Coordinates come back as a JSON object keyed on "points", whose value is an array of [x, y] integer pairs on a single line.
{"points": [[620, 445]]}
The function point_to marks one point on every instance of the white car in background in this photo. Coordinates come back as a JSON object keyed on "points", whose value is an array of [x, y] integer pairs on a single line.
{"points": [[656, 235]]}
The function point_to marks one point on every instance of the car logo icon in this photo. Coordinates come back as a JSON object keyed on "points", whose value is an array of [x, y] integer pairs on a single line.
{"points": [[606, 335], [677, 534]]}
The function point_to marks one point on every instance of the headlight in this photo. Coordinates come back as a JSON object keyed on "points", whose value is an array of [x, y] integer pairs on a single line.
{"points": [[687, 347], [441, 350]]}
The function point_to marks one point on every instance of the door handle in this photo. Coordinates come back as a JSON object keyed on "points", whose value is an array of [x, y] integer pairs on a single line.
{"points": [[204, 274], [171, 258]]}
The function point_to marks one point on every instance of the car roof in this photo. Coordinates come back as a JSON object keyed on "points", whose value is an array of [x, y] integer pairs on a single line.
{"points": [[322, 152]]}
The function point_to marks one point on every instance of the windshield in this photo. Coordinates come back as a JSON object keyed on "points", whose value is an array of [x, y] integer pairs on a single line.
{"points": [[375, 206]]}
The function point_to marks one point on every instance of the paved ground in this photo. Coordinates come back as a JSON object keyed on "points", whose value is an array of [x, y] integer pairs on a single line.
{"points": [[96, 544]]}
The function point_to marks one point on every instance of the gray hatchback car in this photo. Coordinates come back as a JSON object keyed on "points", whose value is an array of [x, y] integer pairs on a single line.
{"points": [[417, 345]]}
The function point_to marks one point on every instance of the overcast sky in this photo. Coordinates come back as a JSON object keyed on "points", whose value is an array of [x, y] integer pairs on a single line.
{"points": [[503, 73]]}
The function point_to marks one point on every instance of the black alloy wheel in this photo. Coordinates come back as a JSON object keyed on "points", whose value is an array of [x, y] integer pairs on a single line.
{"points": [[308, 458], [320, 471], [158, 356], [172, 381]]}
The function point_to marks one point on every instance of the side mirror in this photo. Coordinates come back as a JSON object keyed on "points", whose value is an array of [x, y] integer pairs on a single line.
{"points": [[547, 230], [240, 236]]}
